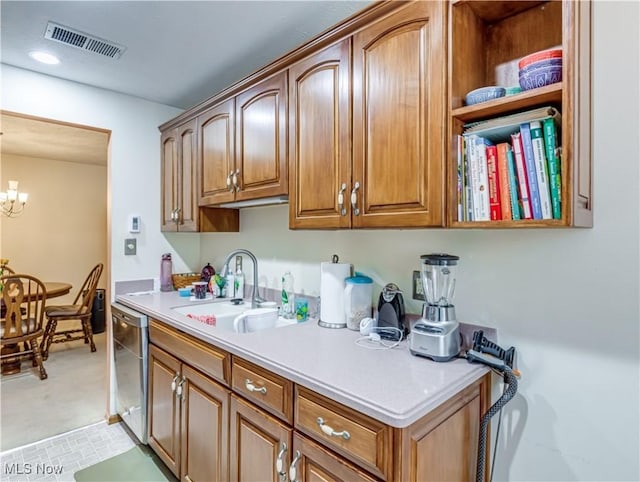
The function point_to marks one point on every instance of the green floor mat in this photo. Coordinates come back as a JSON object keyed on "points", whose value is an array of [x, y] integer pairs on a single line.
{"points": [[138, 464]]}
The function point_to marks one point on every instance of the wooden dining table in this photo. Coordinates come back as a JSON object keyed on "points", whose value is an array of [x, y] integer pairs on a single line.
{"points": [[54, 289]]}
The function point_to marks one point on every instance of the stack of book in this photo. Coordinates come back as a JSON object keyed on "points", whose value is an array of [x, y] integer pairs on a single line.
{"points": [[509, 168]]}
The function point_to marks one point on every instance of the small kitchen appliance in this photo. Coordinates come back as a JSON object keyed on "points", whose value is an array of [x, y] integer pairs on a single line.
{"points": [[391, 312], [437, 334]]}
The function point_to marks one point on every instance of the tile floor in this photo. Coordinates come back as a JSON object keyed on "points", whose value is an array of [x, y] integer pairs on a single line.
{"points": [[56, 459]]}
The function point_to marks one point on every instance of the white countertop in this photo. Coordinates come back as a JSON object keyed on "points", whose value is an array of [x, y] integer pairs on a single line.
{"points": [[391, 386]]}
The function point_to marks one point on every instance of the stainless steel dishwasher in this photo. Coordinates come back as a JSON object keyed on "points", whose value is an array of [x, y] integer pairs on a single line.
{"points": [[130, 354]]}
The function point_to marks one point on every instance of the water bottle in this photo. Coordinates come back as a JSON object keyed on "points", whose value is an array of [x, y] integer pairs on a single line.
{"points": [[239, 278], [166, 268], [288, 296]]}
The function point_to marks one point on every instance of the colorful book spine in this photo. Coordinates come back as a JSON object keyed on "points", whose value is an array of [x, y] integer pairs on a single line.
{"points": [[460, 183], [516, 210], [542, 175], [521, 171], [503, 176], [468, 154], [481, 191], [551, 145], [495, 209], [532, 178]]}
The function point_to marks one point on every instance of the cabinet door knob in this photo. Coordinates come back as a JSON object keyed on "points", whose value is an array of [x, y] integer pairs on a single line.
{"points": [[343, 210], [179, 389], [280, 463], [235, 180], [354, 199], [230, 185], [249, 385], [177, 218], [330, 432], [292, 468], [174, 382]]}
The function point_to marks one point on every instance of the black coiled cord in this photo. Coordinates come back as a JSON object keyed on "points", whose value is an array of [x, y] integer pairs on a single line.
{"points": [[512, 387]]}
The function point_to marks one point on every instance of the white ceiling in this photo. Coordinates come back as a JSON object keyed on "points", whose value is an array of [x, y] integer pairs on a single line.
{"points": [[178, 53]]}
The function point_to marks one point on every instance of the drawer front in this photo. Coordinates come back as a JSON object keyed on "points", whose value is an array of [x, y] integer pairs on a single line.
{"points": [[264, 388], [365, 441], [206, 358]]}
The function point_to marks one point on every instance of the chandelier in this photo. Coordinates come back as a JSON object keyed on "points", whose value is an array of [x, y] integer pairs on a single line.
{"points": [[12, 202]]}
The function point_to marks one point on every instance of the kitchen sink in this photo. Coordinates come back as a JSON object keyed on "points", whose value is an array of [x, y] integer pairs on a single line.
{"points": [[224, 311]]}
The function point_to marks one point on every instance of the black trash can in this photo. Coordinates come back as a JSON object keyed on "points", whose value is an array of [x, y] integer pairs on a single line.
{"points": [[98, 312]]}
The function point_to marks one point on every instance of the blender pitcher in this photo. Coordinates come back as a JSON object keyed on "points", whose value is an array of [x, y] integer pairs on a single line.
{"points": [[357, 300]]}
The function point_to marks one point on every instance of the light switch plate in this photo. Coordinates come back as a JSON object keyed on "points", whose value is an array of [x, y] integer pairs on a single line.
{"points": [[130, 246], [418, 292]]}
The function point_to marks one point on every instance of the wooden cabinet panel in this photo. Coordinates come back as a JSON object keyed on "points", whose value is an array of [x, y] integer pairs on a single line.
{"points": [[398, 118], [257, 440], [261, 150], [316, 464], [188, 205], [204, 441], [216, 129], [169, 173], [164, 408], [320, 138]]}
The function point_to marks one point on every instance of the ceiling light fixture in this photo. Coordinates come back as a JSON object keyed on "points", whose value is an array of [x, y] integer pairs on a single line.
{"points": [[12, 202], [44, 57]]}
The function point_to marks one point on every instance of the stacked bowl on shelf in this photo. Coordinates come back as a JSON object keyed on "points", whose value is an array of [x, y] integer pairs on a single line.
{"points": [[540, 68]]}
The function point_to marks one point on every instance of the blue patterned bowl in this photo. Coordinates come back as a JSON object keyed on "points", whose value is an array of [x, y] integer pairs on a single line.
{"points": [[545, 75], [484, 94]]}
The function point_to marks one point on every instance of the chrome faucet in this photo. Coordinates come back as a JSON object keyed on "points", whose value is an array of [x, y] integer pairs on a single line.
{"points": [[255, 299]]}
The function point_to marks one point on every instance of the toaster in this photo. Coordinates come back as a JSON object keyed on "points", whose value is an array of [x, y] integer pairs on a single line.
{"points": [[391, 313]]}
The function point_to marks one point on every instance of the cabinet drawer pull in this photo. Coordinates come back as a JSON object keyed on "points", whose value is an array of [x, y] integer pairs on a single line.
{"points": [[249, 385], [354, 199], [280, 463], [177, 219], [330, 432], [343, 210], [292, 468], [179, 389]]}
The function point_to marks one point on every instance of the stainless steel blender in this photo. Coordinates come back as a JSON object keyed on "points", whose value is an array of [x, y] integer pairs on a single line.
{"points": [[437, 334]]}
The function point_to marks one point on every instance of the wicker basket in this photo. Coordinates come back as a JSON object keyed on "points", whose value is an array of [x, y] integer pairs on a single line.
{"points": [[182, 280]]}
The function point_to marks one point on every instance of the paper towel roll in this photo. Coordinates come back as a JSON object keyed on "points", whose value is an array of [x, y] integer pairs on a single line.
{"points": [[332, 276]]}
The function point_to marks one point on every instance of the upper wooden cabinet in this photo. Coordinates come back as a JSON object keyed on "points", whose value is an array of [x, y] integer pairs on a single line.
{"points": [[261, 167], [242, 145], [387, 168], [320, 139], [487, 38], [179, 196], [399, 106]]}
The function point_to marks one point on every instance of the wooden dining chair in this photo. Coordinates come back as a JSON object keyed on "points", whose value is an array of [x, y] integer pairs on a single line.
{"points": [[6, 269], [80, 311], [21, 320]]}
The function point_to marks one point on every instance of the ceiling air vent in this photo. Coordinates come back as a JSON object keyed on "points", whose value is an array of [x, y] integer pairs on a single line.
{"points": [[83, 41]]}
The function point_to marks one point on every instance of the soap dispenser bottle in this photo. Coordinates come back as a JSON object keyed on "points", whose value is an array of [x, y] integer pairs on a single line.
{"points": [[287, 298], [230, 282], [239, 278]]}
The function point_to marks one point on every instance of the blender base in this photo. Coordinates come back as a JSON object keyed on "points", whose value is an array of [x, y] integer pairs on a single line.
{"points": [[440, 341]]}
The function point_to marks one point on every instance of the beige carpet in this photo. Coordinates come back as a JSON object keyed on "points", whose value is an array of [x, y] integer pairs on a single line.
{"points": [[73, 396]]}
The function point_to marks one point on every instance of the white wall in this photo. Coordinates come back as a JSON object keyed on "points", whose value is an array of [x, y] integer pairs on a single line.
{"points": [[567, 299]]}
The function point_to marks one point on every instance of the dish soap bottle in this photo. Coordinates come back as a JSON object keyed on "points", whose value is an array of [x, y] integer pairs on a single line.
{"points": [[239, 278], [230, 282], [166, 268], [288, 296]]}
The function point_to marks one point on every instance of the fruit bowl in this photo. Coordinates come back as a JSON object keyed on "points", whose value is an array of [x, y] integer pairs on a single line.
{"points": [[483, 94], [539, 77]]}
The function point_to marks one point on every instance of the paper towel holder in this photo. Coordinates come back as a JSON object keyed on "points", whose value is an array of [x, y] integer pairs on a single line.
{"points": [[332, 323]]}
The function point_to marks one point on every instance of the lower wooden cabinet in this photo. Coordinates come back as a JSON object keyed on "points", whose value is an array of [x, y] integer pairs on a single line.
{"points": [[188, 419], [205, 431], [312, 462], [260, 444]]}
